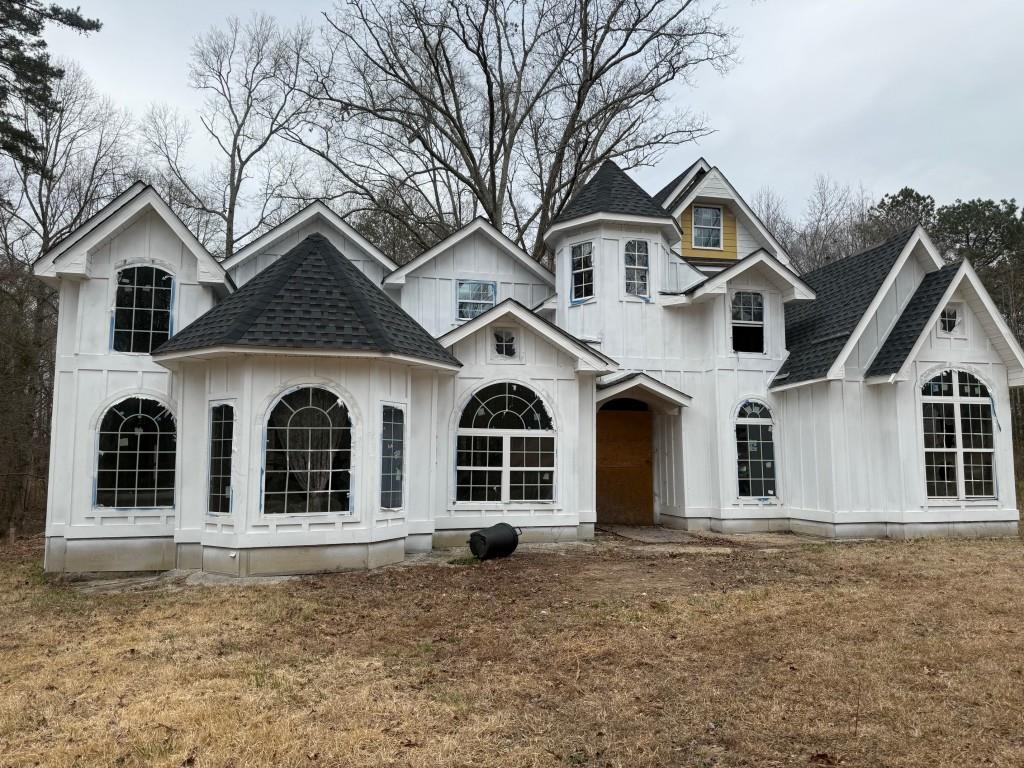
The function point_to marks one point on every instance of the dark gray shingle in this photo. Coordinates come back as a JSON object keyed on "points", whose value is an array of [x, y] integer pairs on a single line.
{"points": [[311, 298], [817, 331], [610, 190], [908, 328]]}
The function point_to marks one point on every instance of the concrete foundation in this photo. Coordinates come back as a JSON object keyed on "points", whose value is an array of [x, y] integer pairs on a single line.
{"points": [[283, 561], [457, 537]]}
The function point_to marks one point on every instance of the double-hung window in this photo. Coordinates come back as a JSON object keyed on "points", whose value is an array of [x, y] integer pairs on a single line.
{"points": [[638, 264], [707, 226], [747, 322], [582, 271], [959, 443], [474, 298]]}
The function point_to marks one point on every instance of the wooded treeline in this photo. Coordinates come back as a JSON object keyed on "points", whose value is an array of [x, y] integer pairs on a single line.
{"points": [[410, 117]]}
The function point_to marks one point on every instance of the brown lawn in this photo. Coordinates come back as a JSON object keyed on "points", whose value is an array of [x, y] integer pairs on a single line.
{"points": [[866, 654]]}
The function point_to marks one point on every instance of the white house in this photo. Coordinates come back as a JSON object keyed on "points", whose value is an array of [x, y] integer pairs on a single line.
{"points": [[308, 405]]}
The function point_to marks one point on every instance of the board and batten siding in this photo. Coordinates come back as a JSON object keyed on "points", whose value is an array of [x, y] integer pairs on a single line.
{"points": [[429, 292]]}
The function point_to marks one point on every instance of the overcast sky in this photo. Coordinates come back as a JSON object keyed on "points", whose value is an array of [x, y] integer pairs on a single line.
{"points": [[884, 93]]}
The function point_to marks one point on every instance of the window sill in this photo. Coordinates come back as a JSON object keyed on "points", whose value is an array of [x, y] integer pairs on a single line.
{"points": [[498, 505], [581, 302], [268, 516], [754, 501], [987, 501]]}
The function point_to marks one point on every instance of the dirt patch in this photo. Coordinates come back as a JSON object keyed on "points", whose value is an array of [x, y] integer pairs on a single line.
{"points": [[606, 655]]}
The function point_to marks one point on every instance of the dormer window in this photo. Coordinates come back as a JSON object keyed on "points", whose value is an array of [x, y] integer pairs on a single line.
{"points": [[707, 226], [637, 268], [582, 271], [142, 309], [747, 322]]}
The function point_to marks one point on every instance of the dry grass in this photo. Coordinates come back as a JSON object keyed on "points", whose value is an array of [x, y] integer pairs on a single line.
{"points": [[854, 655]]}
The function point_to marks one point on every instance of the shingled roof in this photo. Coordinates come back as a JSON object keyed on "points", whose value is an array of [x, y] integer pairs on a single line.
{"points": [[610, 190], [661, 197], [817, 331], [915, 315], [312, 298]]}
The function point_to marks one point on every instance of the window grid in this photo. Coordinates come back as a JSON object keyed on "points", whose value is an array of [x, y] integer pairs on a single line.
{"points": [[637, 268], [959, 443], [707, 227], [142, 309], [582, 271], [747, 321], [137, 450], [505, 447], [505, 342], [474, 298], [755, 451], [392, 457], [308, 454], [949, 320], [222, 425]]}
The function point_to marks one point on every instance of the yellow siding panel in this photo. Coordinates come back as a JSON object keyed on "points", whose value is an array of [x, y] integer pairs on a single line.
{"points": [[728, 250]]}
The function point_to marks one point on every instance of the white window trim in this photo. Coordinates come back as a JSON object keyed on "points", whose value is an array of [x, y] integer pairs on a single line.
{"points": [[459, 281], [960, 331], [625, 271], [211, 404], [112, 301], [593, 272], [693, 227], [755, 501], [506, 436], [763, 324], [492, 351], [961, 499], [380, 455]]}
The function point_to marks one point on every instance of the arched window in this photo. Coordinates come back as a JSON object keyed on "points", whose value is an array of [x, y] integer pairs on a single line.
{"points": [[959, 447], [142, 309], [137, 446], [755, 451], [505, 447], [308, 454]]}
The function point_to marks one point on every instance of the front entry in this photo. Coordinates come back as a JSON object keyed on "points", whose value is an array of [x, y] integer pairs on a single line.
{"points": [[625, 473]]}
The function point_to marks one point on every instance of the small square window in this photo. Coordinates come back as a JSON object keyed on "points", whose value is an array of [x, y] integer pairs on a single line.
{"points": [[505, 343], [949, 321]]}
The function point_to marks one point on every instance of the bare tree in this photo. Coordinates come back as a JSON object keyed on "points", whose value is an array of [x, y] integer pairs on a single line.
{"points": [[79, 162], [771, 209], [501, 107], [249, 74]]}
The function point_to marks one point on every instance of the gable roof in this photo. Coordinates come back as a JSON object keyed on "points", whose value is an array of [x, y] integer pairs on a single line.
{"points": [[681, 184], [817, 332], [588, 357], [484, 227], [610, 190], [70, 255], [316, 209], [912, 321], [644, 387], [310, 299], [781, 276]]}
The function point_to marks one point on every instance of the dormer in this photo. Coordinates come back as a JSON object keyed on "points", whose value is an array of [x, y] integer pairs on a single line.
{"points": [[715, 222]]}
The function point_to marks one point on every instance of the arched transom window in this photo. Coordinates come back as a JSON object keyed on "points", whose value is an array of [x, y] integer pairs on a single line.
{"points": [[308, 454], [137, 446], [142, 309], [755, 451], [505, 447], [959, 446]]}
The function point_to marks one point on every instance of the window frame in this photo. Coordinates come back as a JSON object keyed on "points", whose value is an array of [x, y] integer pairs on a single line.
{"points": [[762, 323], [957, 401], [959, 330], [97, 441], [772, 499], [506, 437], [493, 356], [213, 404], [459, 282], [573, 299], [694, 225], [403, 490], [172, 301], [627, 268], [353, 449]]}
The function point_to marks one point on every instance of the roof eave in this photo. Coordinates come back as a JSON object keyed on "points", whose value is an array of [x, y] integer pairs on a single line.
{"points": [[666, 223], [167, 359]]}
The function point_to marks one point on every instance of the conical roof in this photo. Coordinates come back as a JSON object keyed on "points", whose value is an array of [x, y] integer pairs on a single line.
{"points": [[610, 190], [311, 298]]}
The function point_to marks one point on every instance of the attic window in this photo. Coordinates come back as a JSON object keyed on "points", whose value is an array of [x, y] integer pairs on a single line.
{"points": [[505, 342], [949, 320], [707, 226], [474, 298], [747, 322]]}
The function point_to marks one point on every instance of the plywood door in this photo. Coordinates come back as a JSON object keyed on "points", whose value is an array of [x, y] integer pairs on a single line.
{"points": [[625, 478]]}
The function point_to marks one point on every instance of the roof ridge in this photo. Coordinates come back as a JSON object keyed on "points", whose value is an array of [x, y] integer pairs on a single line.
{"points": [[368, 314], [904, 236]]}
